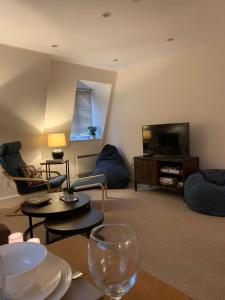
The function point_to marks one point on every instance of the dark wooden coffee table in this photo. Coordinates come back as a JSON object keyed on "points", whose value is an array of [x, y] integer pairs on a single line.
{"points": [[81, 223], [54, 209]]}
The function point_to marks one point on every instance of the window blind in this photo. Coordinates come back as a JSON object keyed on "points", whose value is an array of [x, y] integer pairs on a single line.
{"points": [[82, 117]]}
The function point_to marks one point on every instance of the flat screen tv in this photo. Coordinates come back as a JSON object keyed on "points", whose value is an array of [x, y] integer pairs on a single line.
{"points": [[166, 139]]}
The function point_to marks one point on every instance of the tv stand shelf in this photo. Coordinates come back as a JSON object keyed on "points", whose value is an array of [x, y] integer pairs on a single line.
{"points": [[164, 171]]}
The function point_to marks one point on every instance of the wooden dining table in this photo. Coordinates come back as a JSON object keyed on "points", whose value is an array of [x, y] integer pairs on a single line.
{"points": [[147, 287]]}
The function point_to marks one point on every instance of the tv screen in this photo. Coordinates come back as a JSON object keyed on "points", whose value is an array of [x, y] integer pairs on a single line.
{"points": [[166, 139]]}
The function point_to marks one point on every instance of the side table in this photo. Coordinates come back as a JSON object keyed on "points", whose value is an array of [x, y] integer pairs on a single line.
{"points": [[50, 162], [78, 223]]}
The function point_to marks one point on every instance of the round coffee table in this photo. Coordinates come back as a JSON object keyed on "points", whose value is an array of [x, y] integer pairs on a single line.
{"points": [[81, 223], [53, 209]]}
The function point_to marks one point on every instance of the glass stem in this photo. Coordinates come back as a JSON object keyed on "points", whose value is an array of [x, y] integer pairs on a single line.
{"points": [[116, 298]]}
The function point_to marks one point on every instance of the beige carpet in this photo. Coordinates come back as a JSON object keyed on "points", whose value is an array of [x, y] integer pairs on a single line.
{"points": [[179, 246]]}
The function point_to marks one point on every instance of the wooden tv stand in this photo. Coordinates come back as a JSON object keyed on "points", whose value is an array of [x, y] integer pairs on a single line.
{"points": [[164, 171]]}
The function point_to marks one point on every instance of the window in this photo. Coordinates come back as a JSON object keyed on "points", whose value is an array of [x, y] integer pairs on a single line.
{"points": [[90, 110]]}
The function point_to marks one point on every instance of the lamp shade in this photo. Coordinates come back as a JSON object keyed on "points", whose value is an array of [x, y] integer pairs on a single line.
{"points": [[56, 140]]}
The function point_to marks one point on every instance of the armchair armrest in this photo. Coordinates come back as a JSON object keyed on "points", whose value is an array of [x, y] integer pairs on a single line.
{"points": [[53, 172], [38, 180], [100, 178], [24, 178]]}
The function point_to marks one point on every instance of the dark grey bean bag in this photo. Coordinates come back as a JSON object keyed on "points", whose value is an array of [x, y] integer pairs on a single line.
{"points": [[204, 192], [111, 163]]}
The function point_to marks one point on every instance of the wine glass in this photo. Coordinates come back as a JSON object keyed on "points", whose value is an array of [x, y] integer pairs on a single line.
{"points": [[2, 279], [113, 258]]}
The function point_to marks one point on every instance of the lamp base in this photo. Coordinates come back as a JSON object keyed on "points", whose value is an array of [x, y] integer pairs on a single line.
{"points": [[57, 154]]}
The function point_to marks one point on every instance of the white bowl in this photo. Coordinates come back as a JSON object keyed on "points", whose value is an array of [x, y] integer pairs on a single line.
{"points": [[21, 264]]}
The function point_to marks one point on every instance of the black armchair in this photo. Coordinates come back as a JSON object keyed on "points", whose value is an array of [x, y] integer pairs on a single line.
{"points": [[11, 162]]}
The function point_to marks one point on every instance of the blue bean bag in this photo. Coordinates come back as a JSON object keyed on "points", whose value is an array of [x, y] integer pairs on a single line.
{"points": [[204, 192], [111, 163]]}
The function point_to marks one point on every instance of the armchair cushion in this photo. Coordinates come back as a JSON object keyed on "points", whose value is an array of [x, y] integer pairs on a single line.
{"points": [[96, 179], [55, 182], [29, 171], [10, 148], [11, 159]]}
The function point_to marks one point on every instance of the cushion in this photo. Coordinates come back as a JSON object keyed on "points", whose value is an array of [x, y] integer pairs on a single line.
{"points": [[29, 171]]}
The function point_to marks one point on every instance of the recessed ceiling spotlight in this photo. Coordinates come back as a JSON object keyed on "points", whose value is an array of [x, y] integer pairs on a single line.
{"points": [[170, 39], [55, 46], [115, 59], [106, 14]]}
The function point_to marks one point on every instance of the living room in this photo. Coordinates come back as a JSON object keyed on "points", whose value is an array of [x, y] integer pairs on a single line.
{"points": [[165, 62]]}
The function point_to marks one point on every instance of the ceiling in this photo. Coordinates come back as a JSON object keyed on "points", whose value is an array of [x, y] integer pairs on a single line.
{"points": [[136, 31]]}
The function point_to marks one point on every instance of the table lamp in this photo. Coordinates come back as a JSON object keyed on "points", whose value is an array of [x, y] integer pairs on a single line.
{"points": [[57, 140]]}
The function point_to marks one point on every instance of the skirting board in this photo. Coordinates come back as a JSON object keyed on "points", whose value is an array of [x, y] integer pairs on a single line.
{"points": [[9, 201]]}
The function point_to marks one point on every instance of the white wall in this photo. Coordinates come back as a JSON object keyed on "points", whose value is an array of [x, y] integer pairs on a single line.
{"points": [[187, 87], [23, 88], [101, 95], [60, 106]]}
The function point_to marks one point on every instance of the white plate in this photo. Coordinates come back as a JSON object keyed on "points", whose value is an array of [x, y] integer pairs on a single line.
{"points": [[66, 277], [49, 276]]}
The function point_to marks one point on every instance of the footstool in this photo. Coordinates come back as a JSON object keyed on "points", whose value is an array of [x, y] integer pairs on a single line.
{"points": [[204, 192], [92, 182]]}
